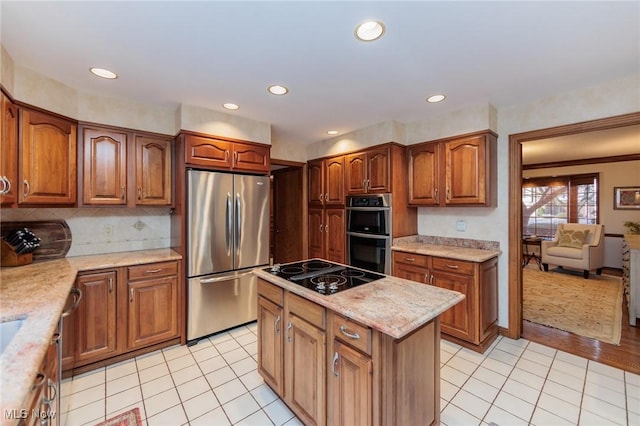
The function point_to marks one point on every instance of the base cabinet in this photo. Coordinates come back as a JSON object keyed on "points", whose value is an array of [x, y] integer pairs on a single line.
{"points": [[42, 401], [337, 371], [472, 322], [122, 310]]}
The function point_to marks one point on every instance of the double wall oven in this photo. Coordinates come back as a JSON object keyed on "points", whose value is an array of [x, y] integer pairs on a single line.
{"points": [[369, 232]]}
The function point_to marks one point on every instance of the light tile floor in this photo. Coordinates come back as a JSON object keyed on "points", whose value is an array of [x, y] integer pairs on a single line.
{"points": [[515, 382]]}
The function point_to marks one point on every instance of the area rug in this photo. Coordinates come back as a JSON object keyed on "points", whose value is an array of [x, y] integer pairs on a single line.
{"points": [[564, 300], [128, 418]]}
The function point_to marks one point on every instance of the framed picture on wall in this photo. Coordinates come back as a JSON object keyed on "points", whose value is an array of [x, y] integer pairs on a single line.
{"points": [[626, 197]]}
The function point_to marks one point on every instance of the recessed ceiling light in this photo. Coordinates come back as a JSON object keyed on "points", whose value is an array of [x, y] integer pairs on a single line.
{"points": [[277, 89], [436, 98], [369, 30], [230, 106], [332, 132], [101, 72]]}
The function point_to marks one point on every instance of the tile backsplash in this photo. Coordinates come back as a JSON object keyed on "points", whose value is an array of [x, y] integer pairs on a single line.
{"points": [[104, 230]]}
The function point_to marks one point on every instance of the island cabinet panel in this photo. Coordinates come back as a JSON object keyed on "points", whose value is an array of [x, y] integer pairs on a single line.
{"points": [[8, 152], [472, 322], [218, 153], [47, 159], [123, 312], [349, 387], [453, 171], [292, 350]]}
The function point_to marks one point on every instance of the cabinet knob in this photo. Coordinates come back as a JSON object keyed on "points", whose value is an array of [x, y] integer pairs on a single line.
{"points": [[321, 197], [8, 184], [27, 189], [326, 197]]}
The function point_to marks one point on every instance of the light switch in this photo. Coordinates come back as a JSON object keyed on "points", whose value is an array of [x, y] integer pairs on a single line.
{"points": [[461, 225]]}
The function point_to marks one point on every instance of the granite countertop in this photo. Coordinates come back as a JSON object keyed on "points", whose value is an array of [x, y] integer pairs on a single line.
{"points": [[37, 293], [393, 306], [451, 252]]}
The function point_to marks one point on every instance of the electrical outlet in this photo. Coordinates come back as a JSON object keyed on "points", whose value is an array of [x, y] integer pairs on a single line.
{"points": [[461, 225], [107, 230]]}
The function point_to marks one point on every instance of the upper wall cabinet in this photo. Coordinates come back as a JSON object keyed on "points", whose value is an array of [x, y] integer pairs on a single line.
{"points": [[122, 167], [226, 154], [8, 152], [368, 171], [47, 158], [326, 181], [453, 171]]}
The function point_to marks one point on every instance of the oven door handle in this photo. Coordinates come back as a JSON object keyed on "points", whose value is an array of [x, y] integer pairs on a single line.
{"points": [[369, 209], [370, 236]]}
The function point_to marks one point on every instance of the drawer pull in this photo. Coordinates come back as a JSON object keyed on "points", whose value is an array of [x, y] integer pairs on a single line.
{"points": [[410, 259], [344, 331], [153, 271], [334, 363], [431, 280], [426, 278], [452, 266]]}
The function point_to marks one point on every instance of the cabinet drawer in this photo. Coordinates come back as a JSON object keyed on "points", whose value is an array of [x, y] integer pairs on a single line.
{"points": [[453, 265], [352, 333], [410, 258], [309, 311], [271, 292], [152, 270]]}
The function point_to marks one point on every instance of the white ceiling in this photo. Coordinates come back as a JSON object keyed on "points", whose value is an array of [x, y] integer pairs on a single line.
{"points": [[206, 53]]}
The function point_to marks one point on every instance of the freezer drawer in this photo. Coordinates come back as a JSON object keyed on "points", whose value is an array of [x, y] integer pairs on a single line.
{"points": [[218, 302]]}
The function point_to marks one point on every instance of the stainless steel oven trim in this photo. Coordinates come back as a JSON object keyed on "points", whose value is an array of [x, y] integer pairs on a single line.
{"points": [[387, 255]]}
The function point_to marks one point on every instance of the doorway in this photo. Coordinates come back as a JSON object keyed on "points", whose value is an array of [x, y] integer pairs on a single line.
{"points": [[287, 211], [625, 356]]}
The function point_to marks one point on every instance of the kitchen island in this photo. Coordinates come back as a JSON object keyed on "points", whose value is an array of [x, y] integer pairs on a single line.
{"points": [[367, 355]]}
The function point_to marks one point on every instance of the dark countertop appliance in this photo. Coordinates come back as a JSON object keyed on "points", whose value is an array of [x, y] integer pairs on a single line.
{"points": [[322, 276]]}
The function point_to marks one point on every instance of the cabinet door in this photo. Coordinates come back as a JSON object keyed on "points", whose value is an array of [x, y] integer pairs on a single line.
{"points": [[209, 152], [424, 175], [96, 317], [152, 311], [334, 181], [270, 324], [47, 159], [378, 166], [153, 171], [316, 233], [104, 167], [69, 334], [465, 170], [409, 272], [250, 158], [335, 234], [316, 181], [458, 321], [356, 173], [349, 391], [305, 375], [8, 152]]}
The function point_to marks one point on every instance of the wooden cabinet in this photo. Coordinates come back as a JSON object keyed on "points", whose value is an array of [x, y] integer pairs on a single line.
{"points": [[122, 310], [292, 350], [473, 321], [152, 306], [219, 153], [326, 181], [453, 171], [41, 405], [8, 152], [111, 155], [95, 318], [47, 159], [327, 234], [368, 171]]}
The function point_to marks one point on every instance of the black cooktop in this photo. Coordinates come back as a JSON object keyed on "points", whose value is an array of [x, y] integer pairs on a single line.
{"points": [[322, 276]]}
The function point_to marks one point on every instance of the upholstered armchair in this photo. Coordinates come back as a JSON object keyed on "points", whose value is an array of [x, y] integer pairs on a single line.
{"points": [[576, 246]]}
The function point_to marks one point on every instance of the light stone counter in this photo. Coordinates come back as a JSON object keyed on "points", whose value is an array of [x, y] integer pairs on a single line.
{"points": [[393, 306], [37, 293], [451, 252]]}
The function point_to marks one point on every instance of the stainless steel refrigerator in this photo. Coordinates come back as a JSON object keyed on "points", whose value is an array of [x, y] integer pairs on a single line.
{"points": [[227, 236]]}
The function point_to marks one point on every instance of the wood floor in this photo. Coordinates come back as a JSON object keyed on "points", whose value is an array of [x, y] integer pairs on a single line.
{"points": [[626, 356]]}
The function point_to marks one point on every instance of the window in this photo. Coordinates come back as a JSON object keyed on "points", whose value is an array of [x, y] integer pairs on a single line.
{"points": [[548, 201]]}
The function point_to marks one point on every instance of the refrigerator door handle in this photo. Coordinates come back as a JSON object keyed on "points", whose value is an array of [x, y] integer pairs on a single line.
{"points": [[225, 278], [229, 225], [238, 223]]}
